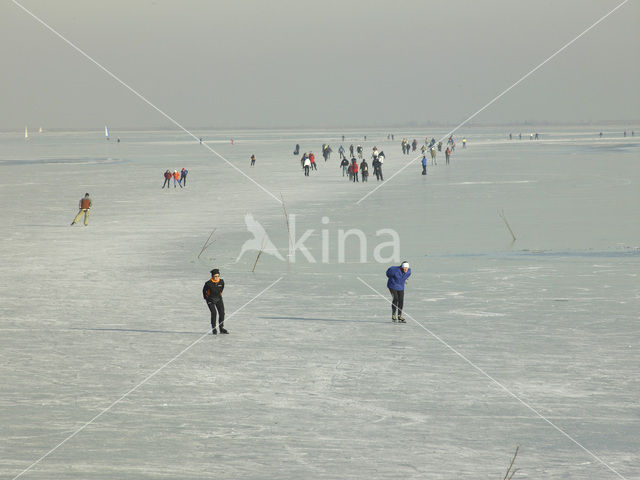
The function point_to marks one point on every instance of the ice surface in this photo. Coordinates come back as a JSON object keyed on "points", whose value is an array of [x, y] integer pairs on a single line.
{"points": [[314, 381]]}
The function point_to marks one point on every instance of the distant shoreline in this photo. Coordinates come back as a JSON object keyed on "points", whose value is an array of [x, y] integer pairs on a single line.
{"points": [[524, 126]]}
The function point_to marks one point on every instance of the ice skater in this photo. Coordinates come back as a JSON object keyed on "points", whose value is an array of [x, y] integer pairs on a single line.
{"points": [[354, 170], [176, 179], [253, 160], [85, 206], [326, 152], [364, 171], [345, 166], [424, 165], [306, 165], [212, 293], [380, 163], [376, 168], [183, 176], [397, 278], [167, 179]]}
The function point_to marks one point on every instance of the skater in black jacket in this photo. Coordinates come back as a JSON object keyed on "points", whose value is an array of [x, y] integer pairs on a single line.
{"points": [[364, 171], [212, 293], [345, 166]]}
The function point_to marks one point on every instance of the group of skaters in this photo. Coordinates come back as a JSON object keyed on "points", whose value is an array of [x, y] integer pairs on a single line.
{"points": [[409, 147], [536, 136], [308, 160], [308, 163], [179, 178], [355, 170], [533, 136], [350, 169], [397, 277], [353, 151], [432, 147], [624, 134]]}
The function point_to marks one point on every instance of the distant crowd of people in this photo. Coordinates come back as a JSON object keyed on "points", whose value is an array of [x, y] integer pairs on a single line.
{"points": [[624, 134], [532, 136], [355, 167]]}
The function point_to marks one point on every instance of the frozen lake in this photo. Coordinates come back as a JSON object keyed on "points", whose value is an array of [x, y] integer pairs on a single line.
{"points": [[531, 343]]}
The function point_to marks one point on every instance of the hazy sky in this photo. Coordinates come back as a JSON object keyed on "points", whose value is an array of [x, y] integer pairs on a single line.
{"points": [[327, 63]]}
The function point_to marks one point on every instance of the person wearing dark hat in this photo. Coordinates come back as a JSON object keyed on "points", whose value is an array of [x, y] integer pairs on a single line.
{"points": [[85, 206], [212, 293], [397, 277]]}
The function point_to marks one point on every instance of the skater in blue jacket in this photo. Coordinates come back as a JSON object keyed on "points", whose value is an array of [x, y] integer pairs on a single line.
{"points": [[397, 278]]}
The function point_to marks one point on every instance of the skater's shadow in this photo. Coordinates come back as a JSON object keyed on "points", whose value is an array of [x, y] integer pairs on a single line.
{"points": [[311, 319], [133, 330]]}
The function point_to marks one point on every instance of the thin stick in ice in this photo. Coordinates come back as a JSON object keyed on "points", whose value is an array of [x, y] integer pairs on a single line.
{"points": [[286, 218], [206, 244], [264, 240], [513, 472], [501, 213]]}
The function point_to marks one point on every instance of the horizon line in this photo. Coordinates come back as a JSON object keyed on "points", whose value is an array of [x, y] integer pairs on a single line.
{"points": [[130, 128]]}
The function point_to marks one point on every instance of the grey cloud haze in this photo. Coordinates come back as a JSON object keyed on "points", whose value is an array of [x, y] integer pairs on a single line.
{"points": [[317, 64]]}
